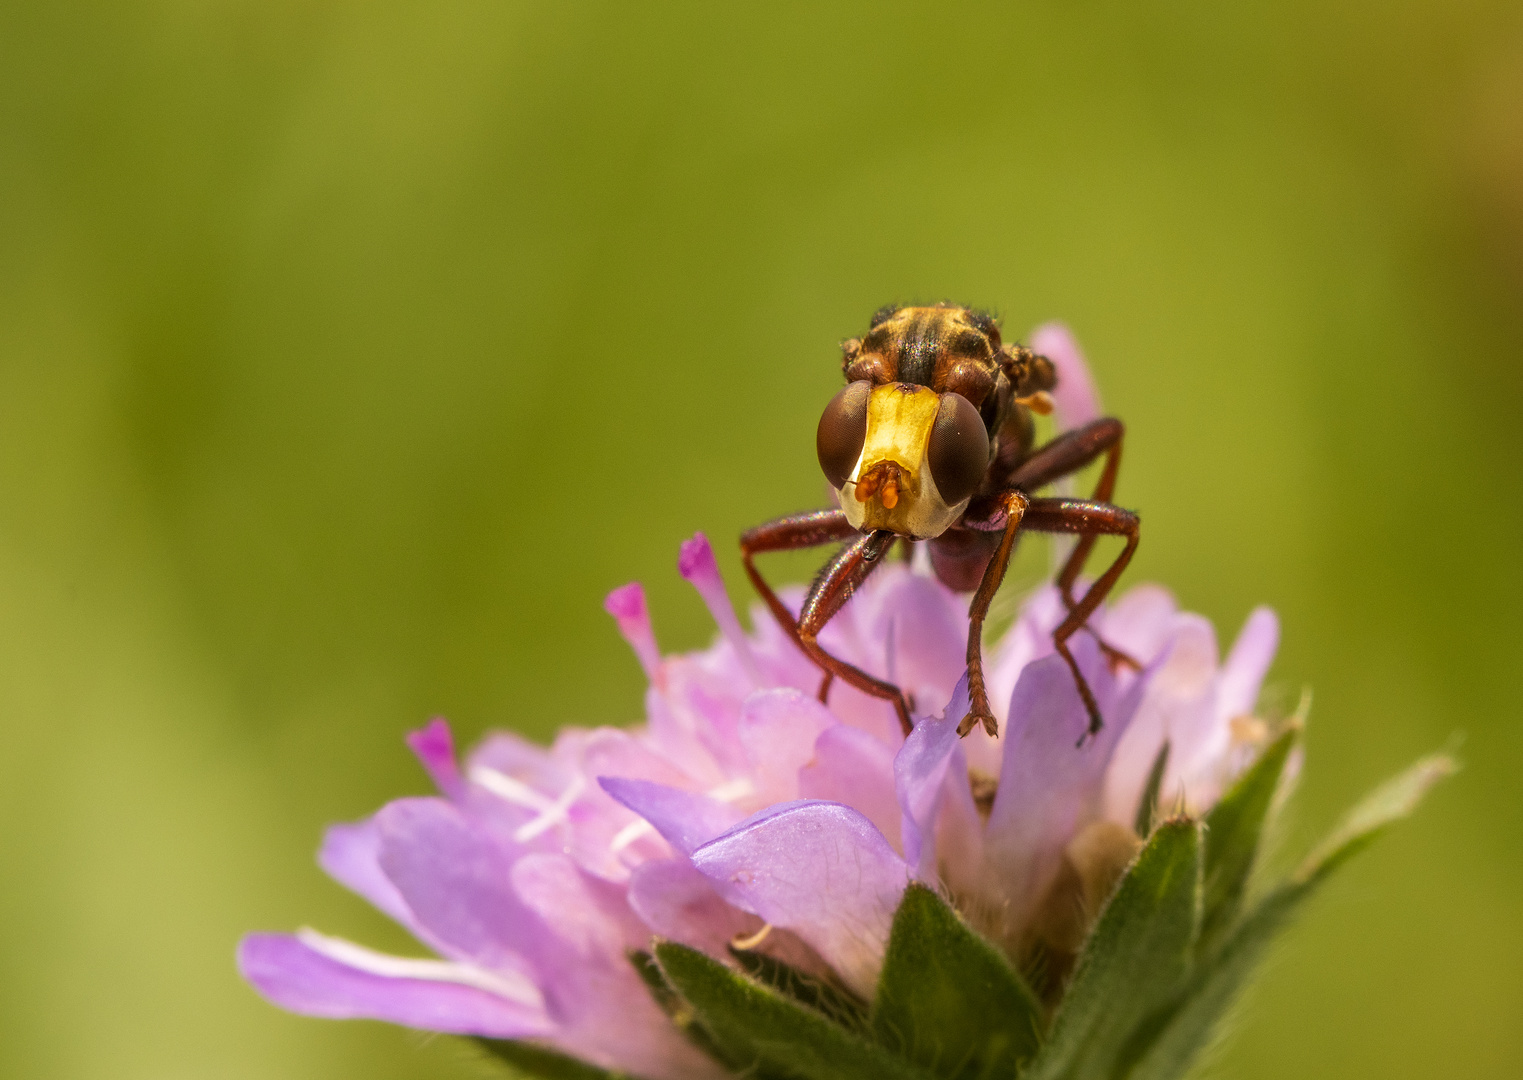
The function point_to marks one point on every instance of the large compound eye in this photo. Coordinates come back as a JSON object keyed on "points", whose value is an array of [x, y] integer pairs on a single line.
{"points": [[842, 431], [959, 449]]}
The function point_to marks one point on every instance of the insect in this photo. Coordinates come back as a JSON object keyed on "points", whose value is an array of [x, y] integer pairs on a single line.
{"points": [[933, 439]]}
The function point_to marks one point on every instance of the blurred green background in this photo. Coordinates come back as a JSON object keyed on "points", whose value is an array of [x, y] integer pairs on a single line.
{"points": [[349, 353]]}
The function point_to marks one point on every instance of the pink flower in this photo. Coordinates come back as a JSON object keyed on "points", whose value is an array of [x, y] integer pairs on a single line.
{"points": [[744, 809]]}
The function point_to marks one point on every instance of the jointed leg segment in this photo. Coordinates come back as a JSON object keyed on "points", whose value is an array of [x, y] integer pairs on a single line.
{"points": [[1089, 520], [1066, 454], [1013, 505], [835, 585]]}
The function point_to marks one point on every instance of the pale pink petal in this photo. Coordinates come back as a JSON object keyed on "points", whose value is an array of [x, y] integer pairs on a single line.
{"points": [[292, 975], [604, 1011], [819, 869], [350, 854], [678, 902], [1076, 399], [1248, 663], [585, 912], [453, 876], [920, 770], [779, 729], [1139, 622], [923, 630], [686, 819], [1050, 783], [855, 769], [1178, 706]]}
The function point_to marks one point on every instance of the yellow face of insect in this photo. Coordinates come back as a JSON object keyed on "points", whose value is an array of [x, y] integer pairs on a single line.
{"points": [[891, 486]]}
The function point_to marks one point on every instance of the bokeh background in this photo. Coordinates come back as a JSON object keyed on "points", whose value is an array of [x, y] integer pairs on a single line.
{"points": [[350, 352]]}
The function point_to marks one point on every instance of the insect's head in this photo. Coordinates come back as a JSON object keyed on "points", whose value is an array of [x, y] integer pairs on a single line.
{"points": [[902, 456], [930, 392], [908, 440]]}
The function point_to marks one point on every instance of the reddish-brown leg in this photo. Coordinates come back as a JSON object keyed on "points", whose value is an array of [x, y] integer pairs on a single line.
{"points": [[792, 533], [1011, 508], [1088, 520], [830, 592], [1066, 454], [835, 585]]}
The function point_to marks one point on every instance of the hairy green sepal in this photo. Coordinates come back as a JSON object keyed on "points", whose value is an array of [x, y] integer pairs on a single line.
{"points": [[948, 1000]]}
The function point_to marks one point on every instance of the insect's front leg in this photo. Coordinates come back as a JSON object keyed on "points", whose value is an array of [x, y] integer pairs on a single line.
{"points": [[1006, 514], [835, 585], [1088, 520], [792, 533]]}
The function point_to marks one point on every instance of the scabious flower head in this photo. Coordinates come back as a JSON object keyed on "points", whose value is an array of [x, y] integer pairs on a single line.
{"points": [[745, 817]]}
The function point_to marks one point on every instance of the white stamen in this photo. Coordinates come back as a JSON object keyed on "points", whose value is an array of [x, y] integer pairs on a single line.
{"points": [[508, 985], [747, 942], [629, 834], [554, 814], [732, 790], [515, 791]]}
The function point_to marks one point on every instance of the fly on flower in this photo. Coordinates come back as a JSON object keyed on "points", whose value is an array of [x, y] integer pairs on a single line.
{"points": [[933, 439]]}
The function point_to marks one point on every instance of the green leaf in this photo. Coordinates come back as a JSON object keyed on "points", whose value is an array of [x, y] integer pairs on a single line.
{"points": [[533, 1062], [1185, 1029], [1388, 803], [836, 1004], [678, 1011], [1233, 828], [1134, 962], [1147, 806], [771, 1033], [947, 999]]}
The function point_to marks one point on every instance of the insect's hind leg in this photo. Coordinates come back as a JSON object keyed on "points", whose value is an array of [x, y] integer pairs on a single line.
{"points": [[1089, 520], [1067, 454]]}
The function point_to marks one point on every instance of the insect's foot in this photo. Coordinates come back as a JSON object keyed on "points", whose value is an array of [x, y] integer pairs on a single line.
{"points": [[973, 719], [1096, 725]]}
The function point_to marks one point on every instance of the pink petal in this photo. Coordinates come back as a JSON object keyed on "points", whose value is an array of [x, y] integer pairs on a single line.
{"points": [[435, 748], [585, 912], [819, 869], [1139, 621], [779, 729], [1028, 639], [604, 1010], [1076, 399], [1248, 663], [1049, 784], [920, 771], [678, 902], [290, 974], [855, 769], [350, 855], [454, 877], [925, 625], [1178, 705], [685, 819]]}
